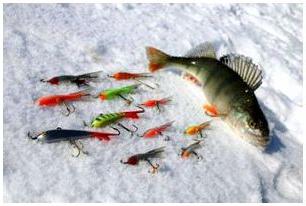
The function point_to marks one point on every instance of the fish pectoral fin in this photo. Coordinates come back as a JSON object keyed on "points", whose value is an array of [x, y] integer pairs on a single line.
{"points": [[211, 110]]}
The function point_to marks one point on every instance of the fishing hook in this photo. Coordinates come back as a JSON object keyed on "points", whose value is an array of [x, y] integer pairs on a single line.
{"points": [[127, 129], [42, 80], [79, 146], [203, 136], [114, 128], [128, 101], [142, 110], [167, 138], [70, 109], [153, 167], [158, 108], [85, 124], [199, 157], [145, 84]]}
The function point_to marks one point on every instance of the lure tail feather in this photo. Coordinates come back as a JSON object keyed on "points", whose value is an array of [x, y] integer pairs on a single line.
{"points": [[131, 115], [101, 136]]}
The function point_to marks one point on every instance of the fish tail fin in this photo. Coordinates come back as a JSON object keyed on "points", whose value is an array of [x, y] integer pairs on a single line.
{"points": [[157, 58]]}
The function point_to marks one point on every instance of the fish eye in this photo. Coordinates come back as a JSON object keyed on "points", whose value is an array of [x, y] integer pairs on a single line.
{"points": [[252, 124]]}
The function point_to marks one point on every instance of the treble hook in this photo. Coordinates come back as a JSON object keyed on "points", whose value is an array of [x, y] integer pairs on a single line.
{"points": [[153, 167], [69, 109], [114, 128], [42, 80], [199, 157], [145, 84], [128, 101], [127, 129], [167, 138], [142, 110], [79, 147], [201, 136]]}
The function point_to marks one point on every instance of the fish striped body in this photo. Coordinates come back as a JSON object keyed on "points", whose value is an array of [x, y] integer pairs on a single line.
{"points": [[221, 86], [225, 89]]}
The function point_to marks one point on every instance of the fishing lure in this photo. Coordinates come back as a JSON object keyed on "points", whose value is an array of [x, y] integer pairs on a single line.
{"points": [[189, 150], [79, 80], [197, 129], [153, 132], [58, 135], [126, 75], [156, 103], [155, 153], [62, 99], [103, 120], [110, 94], [134, 76]]}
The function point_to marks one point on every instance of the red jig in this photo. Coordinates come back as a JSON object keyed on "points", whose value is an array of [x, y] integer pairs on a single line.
{"points": [[156, 102], [150, 133], [126, 75]]}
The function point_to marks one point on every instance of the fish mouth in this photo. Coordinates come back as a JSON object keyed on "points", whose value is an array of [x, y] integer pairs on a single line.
{"points": [[257, 138]]}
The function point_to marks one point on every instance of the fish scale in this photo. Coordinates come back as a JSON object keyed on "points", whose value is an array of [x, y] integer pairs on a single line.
{"points": [[215, 78]]}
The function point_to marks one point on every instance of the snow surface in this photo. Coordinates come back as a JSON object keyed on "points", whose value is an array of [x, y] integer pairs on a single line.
{"points": [[42, 41]]}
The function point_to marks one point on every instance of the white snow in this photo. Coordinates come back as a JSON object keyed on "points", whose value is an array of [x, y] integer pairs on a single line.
{"points": [[42, 41]]}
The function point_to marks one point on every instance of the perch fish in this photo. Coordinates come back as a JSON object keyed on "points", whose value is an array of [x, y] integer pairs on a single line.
{"points": [[228, 83]]}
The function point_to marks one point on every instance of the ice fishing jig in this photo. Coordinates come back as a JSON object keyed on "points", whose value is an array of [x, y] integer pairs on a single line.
{"points": [[134, 76], [189, 150], [59, 134], [103, 120], [63, 99], [155, 153], [156, 103], [79, 80], [197, 129], [153, 132]]}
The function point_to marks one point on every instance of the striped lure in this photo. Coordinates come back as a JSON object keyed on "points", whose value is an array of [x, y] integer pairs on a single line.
{"points": [[103, 120]]}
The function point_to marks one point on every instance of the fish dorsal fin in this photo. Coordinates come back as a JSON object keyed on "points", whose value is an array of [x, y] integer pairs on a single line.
{"points": [[205, 49], [247, 70]]}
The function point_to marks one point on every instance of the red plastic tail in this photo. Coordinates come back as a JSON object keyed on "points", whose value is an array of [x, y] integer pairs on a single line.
{"points": [[131, 115], [101, 136]]}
